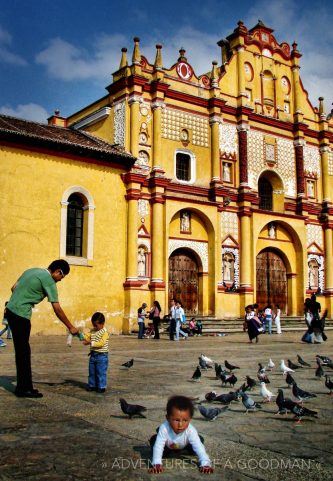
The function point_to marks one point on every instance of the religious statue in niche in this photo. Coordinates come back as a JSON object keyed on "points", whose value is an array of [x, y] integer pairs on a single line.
{"points": [[226, 172], [142, 258], [272, 230], [313, 274], [311, 188], [185, 222], [228, 267]]}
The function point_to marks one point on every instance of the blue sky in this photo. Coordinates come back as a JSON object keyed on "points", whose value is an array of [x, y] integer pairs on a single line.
{"points": [[60, 54]]}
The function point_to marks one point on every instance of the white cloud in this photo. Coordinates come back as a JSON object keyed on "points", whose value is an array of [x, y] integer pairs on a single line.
{"points": [[6, 55], [29, 111]]}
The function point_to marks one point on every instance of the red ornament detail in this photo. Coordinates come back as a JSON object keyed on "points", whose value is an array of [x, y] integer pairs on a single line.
{"points": [[184, 70]]}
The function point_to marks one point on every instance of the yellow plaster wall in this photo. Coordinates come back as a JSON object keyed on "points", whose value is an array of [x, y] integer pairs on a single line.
{"points": [[32, 188]]}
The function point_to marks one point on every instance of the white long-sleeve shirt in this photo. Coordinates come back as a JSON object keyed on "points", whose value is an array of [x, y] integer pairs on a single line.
{"points": [[167, 437]]}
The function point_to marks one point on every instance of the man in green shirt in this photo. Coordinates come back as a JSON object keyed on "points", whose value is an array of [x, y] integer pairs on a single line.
{"points": [[30, 289]]}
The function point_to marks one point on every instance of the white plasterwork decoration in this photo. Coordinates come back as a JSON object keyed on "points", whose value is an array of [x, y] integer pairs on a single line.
{"points": [[314, 234], [173, 121], [228, 138], [229, 225], [330, 163], [321, 269], [143, 207], [312, 160], [201, 248], [119, 123]]}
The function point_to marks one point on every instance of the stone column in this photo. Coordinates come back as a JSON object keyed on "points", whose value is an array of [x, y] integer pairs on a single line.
{"points": [[328, 258], [158, 251], [157, 108], [241, 74], [214, 122], [292, 293], [324, 152], [243, 162], [132, 239], [134, 102], [299, 154]]}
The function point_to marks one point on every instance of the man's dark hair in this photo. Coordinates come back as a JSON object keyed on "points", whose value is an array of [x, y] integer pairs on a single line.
{"points": [[59, 264], [98, 317], [182, 403]]}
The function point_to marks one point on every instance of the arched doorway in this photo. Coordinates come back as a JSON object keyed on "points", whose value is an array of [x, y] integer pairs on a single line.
{"points": [[271, 279], [184, 280]]}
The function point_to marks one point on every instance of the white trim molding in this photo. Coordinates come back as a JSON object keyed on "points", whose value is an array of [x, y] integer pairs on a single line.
{"points": [[92, 118]]}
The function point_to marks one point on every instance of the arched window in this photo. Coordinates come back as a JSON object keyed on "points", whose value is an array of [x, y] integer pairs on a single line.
{"points": [[265, 194], [74, 236], [77, 226]]}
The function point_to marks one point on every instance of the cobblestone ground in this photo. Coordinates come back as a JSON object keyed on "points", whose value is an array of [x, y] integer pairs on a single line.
{"points": [[71, 434]]}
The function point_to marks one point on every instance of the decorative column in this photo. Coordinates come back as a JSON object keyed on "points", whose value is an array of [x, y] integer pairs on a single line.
{"points": [[295, 56], [246, 264], [324, 153], [241, 77], [243, 162], [299, 154], [157, 242], [214, 123], [157, 107], [134, 102], [328, 258], [292, 293]]}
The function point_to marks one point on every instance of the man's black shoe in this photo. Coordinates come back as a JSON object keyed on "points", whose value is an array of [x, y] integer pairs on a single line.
{"points": [[101, 390], [32, 394], [90, 389]]}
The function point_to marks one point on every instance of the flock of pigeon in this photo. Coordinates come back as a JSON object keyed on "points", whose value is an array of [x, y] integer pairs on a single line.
{"points": [[226, 374]]}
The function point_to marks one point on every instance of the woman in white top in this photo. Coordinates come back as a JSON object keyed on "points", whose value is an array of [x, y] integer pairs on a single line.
{"points": [[180, 315], [277, 319]]}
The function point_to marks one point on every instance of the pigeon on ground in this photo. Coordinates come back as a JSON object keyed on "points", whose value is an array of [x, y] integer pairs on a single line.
{"points": [[128, 364], [249, 403], [208, 360], [230, 379], [284, 404], [302, 395], [211, 413], [270, 364], [265, 393], [210, 396], [132, 409], [203, 364], [262, 376], [301, 411], [289, 379], [218, 370], [328, 383], [230, 367], [302, 362], [319, 371], [324, 359], [250, 383], [291, 365], [228, 398], [197, 374], [261, 368], [285, 368]]}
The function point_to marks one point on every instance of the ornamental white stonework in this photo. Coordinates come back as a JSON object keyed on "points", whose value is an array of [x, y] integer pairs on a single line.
{"points": [[228, 138], [201, 248], [119, 123], [143, 207], [312, 162], [174, 121], [330, 162], [229, 225], [235, 253], [321, 269], [314, 233], [285, 161]]}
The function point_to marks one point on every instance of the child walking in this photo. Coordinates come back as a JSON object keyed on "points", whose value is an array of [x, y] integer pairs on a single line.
{"points": [[177, 435], [6, 328], [98, 339]]}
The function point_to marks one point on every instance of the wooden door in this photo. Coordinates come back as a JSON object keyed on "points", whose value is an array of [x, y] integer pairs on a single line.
{"points": [[271, 280], [183, 280]]}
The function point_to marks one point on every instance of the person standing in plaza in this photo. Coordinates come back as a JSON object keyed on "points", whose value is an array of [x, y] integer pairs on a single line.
{"points": [[180, 316], [172, 328], [141, 320], [277, 319], [268, 318], [30, 289], [155, 315]]}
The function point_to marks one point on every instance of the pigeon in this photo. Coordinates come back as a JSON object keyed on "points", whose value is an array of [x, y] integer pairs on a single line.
{"points": [[197, 374], [249, 403], [218, 370], [261, 368], [291, 365], [329, 383], [262, 376], [270, 364], [302, 411], [210, 396], [230, 379], [228, 398], [284, 404], [265, 393], [250, 383], [128, 364], [208, 360], [302, 362], [132, 409], [324, 359], [319, 371], [230, 367], [285, 368], [203, 364], [289, 379], [302, 395], [211, 413]]}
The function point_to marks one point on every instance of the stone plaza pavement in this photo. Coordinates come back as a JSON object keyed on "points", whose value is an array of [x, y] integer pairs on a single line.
{"points": [[72, 434]]}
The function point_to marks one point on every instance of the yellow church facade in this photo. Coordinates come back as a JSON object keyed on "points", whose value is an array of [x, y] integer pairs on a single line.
{"points": [[217, 190]]}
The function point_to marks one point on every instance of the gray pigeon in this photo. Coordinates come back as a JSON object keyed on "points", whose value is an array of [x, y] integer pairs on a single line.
{"points": [[301, 411], [129, 363], [302, 395], [328, 383], [249, 403], [203, 364], [211, 413], [284, 404], [302, 362], [132, 409], [319, 371]]}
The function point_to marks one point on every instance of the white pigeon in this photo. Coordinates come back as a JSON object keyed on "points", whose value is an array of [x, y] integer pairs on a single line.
{"points": [[270, 364], [265, 393], [208, 360], [285, 368]]}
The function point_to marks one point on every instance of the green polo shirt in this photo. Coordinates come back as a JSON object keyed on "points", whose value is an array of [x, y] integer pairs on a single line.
{"points": [[33, 285]]}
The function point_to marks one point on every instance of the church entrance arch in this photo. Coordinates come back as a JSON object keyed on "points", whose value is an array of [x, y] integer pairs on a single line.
{"points": [[184, 279], [271, 275]]}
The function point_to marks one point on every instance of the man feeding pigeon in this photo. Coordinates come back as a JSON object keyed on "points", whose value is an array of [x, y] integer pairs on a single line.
{"points": [[177, 434]]}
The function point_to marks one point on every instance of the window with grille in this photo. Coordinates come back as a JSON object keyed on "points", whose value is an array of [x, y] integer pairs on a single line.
{"points": [[74, 235], [183, 166], [265, 194]]}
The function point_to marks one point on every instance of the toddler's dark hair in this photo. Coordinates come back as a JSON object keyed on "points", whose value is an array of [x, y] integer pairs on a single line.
{"points": [[98, 317], [182, 403]]}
